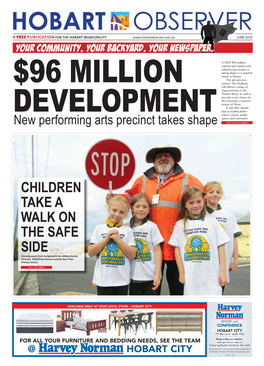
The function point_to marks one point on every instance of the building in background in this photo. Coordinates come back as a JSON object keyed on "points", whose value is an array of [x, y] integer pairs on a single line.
{"points": [[244, 240]]}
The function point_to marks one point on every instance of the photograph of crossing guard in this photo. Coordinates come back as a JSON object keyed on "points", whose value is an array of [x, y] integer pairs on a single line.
{"points": [[224, 158]]}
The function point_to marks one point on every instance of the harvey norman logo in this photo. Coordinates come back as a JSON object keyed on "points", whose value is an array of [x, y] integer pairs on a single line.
{"points": [[83, 348], [143, 21], [229, 312]]}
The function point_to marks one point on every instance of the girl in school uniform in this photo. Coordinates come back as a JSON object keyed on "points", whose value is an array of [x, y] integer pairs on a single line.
{"points": [[199, 247], [113, 243], [146, 267], [214, 193]]}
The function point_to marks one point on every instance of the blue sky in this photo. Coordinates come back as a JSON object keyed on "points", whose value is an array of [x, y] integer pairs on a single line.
{"points": [[225, 158]]}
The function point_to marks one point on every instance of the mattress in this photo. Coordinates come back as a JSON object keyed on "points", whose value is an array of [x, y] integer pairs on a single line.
{"points": [[34, 323]]}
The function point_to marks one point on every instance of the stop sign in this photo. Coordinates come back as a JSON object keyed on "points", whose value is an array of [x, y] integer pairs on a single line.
{"points": [[110, 161]]}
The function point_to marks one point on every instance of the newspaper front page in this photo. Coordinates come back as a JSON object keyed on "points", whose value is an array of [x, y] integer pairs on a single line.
{"points": [[94, 95]]}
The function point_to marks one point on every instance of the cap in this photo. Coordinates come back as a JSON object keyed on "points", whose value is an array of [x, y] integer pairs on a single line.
{"points": [[174, 151]]}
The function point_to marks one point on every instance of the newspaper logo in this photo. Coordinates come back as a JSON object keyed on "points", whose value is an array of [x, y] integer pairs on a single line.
{"points": [[119, 21]]}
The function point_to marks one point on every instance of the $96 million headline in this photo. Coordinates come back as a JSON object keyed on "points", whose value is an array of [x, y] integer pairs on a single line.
{"points": [[92, 72]]}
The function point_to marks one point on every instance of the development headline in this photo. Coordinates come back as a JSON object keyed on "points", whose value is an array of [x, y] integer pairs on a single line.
{"points": [[151, 75]]}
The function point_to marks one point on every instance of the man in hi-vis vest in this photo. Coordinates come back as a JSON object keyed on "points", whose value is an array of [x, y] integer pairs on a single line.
{"points": [[163, 184]]}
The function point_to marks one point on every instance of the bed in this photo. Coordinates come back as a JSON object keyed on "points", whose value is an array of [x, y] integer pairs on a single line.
{"points": [[74, 320], [34, 323]]}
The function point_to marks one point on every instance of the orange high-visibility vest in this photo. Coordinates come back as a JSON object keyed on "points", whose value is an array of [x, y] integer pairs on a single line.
{"points": [[165, 213]]}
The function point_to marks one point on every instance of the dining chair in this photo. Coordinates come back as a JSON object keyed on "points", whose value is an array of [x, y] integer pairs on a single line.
{"points": [[114, 319], [123, 320], [138, 321], [147, 320], [127, 323]]}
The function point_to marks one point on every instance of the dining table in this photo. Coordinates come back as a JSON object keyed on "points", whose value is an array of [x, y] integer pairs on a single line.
{"points": [[122, 314]]}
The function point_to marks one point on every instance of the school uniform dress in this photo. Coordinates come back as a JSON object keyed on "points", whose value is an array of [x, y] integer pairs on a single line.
{"points": [[199, 253], [228, 221], [112, 267]]}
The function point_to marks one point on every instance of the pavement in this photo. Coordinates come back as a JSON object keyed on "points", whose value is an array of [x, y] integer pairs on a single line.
{"points": [[80, 283]]}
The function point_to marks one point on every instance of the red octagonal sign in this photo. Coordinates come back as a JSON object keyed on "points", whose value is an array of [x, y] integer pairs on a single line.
{"points": [[110, 161]]}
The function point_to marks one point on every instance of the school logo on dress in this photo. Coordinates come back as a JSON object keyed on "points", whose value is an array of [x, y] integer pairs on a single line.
{"points": [[143, 251], [119, 21], [112, 254], [196, 248]]}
